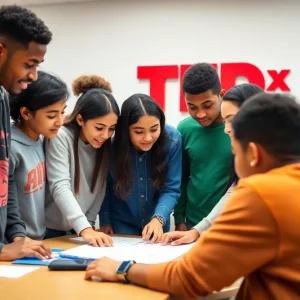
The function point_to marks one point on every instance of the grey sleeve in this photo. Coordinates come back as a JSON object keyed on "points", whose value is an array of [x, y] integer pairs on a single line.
{"points": [[207, 222], [1, 246], [59, 180], [15, 227], [95, 207]]}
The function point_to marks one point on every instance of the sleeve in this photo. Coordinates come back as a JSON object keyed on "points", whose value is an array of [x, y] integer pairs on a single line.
{"points": [[95, 207], [207, 222], [15, 227], [246, 228], [104, 218], [171, 192], [59, 180], [180, 208]]}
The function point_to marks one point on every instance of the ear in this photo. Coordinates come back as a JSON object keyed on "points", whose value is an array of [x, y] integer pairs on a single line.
{"points": [[25, 113], [79, 119], [222, 93], [253, 154], [2, 51]]}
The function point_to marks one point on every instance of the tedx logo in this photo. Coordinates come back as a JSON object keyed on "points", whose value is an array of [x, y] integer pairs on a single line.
{"points": [[229, 73]]}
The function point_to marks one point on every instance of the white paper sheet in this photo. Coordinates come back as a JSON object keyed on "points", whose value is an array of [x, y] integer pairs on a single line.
{"points": [[117, 240], [14, 271], [141, 252]]}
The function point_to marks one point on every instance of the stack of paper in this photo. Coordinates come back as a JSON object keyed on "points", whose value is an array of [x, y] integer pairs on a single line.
{"points": [[129, 249]]}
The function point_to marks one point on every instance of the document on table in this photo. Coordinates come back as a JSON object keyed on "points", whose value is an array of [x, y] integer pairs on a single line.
{"points": [[15, 272], [140, 252], [117, 240]]}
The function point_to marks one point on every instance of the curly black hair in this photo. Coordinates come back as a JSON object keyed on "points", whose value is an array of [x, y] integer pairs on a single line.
{"points": [[200, 78], [23, 25]]}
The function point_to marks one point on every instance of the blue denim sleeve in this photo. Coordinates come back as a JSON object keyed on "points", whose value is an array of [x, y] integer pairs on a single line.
{"points": [[171, 192], [104, 218]]}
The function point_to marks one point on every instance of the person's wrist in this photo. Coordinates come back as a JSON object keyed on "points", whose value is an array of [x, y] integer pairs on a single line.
{"points": [[18, 238], [195, 233], [85, 231], [160, 219]]}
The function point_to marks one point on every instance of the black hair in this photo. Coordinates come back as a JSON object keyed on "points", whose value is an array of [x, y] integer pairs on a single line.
{"points": [[200, 78], [95, 101], [23, 25], [46, 90], [241, 92], [272, 121], [133, 108]]}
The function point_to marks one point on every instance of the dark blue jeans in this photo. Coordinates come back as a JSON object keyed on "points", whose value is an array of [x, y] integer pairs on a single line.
{"points": [[53, 233]]}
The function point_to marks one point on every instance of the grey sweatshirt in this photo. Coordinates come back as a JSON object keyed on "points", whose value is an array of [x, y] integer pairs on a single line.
{"points": [[207, 222], [64, 209], [11, 225], [27, 163]]}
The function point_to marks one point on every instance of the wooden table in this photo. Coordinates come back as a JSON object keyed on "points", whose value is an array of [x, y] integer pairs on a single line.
{"points": [[53, 285]]}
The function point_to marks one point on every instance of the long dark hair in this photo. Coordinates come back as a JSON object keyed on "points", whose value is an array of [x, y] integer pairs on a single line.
{"points": [[133, 108], [239, 94], [46, 90], [95, 101]]}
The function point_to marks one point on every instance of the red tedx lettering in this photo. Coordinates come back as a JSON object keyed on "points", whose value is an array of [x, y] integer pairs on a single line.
{"points": [[157, 76], [229, 73]]}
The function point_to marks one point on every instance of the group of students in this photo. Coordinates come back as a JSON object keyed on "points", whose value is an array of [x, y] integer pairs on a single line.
{"points": [[230, 172]]}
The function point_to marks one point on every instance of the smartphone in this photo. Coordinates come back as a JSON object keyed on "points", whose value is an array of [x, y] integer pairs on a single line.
{"points": [[69, 264]]}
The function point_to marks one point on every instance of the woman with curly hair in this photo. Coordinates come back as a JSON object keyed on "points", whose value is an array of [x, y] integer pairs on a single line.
{"points": [[144, 177], [77, 161]]}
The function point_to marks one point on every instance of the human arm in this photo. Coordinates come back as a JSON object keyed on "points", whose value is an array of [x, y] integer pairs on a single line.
{"points": [[58, 159], [216, 211], [169, 194], [244, 229]]}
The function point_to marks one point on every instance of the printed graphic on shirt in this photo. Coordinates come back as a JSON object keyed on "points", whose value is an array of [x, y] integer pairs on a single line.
{"points": [[36, 179], [3, 182], [3, 143]]}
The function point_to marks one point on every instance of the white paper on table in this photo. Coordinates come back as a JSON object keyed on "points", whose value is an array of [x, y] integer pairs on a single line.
{"points": [[117, 240], [141, 252], [15, 271]]}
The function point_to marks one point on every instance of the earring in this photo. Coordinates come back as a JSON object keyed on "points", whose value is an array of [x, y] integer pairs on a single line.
{"points": [[252, 163]]}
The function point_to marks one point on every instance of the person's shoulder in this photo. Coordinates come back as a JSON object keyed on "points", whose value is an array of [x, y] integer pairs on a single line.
{"points": [[186, 124], [172, 134], [65, 136]]}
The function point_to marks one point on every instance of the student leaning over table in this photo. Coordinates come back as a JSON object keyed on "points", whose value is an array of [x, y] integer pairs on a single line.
{"points": [[255, 236], [231, 103], [77, 162], [23, 44], [143, 183], [37, 113]]}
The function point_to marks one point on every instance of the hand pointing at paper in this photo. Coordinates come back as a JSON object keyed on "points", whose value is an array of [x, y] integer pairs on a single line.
{"points": [[96, 238]]}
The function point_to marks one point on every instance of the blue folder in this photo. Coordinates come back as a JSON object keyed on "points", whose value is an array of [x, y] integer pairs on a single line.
{"points": [[31, 260]]}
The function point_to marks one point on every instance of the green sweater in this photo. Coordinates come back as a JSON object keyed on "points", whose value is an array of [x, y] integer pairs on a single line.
{"points": [[206, 165]]}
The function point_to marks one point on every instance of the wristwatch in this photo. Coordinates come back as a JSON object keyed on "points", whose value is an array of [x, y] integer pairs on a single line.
{"points": [[160, 219], [122, 270]]}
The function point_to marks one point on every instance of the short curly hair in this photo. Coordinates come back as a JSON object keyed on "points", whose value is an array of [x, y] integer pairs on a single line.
{"points": [[23, 25], [200, 78]]}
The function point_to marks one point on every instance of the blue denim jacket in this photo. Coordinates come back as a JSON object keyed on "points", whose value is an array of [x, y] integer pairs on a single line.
{"points": [[131, 215]]}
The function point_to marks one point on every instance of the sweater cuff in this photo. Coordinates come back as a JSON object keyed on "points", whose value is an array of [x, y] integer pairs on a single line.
{"points": [[1, 246], [81, 224], [202, 226], [16, 231]]}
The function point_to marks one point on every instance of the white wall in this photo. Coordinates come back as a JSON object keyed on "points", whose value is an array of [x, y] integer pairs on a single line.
{"points": [[111, 38]]}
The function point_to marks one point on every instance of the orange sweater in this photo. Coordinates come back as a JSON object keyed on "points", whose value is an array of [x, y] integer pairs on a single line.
{"points": [[257, 237]]}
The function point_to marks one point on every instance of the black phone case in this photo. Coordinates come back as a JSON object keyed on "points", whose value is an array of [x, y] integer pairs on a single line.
{"points": [[69, 265]]}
